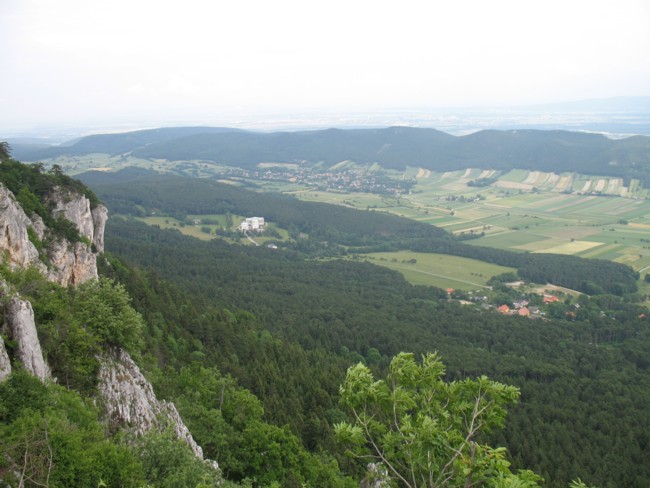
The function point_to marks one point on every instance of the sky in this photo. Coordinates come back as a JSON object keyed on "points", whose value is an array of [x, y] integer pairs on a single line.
{"points": [[81, 61]]}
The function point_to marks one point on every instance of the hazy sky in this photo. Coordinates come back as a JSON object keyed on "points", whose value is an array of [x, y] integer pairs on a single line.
{"points": [[78, 61]]}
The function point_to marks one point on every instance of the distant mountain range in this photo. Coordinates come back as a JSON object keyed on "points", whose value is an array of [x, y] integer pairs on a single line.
{"points": [[393, 147]]}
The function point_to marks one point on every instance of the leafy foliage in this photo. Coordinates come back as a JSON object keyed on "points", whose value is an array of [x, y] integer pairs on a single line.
{"points": [[103, 307], [76, 324], [50, 436], [423, 430], [228, 423], [168, 463], [5, 151]]}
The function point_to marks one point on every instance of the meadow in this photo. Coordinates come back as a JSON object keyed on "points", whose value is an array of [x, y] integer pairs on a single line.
{"points": [[198, 230], [438, 270]]}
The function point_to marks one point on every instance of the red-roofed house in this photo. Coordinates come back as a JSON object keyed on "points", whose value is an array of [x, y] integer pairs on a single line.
{"points": [[523, 312]]}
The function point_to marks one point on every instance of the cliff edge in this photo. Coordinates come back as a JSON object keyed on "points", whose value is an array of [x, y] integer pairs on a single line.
{"points": [[61, 235]]}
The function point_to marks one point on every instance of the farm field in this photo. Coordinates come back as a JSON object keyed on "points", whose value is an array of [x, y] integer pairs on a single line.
{"points": [[438, 270], [525, 211]]}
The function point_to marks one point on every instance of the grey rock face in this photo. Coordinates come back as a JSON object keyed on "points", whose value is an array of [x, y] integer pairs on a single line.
{"points": [[39, 226], [100, 216], [5, 364], [20, 318], [75, 208], [71, 264], [13, 231], [130, 401], [76, 264]]}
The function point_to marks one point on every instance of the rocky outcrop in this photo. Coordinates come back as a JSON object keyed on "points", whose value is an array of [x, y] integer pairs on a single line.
{"points": [[100, 216], [76, 263], [14, 240], [20, 319], [75, 208], [5, 364], [130, 401], [70, 263]]}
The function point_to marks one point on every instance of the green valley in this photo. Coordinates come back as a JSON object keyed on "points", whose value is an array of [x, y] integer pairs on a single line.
{"points": [[358, 275]]}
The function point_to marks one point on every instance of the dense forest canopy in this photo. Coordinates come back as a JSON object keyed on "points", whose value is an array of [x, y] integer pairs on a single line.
{"points": [[305, 321]]}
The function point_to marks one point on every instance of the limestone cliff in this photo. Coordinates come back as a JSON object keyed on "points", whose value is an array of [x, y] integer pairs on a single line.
{"points": [[130, 401], [20, 320], [68, 263], [5, 364], [14, 239], [100, 216], [72, 264]]}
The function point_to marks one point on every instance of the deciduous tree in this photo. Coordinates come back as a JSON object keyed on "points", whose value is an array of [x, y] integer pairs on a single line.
{"points": [[425, 431]]}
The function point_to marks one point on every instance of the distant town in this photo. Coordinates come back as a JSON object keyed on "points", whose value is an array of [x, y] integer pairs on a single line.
{"points": [[351, 180]]}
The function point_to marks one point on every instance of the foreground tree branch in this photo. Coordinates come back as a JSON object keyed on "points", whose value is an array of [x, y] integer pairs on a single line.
{"points": [[423, 429]]}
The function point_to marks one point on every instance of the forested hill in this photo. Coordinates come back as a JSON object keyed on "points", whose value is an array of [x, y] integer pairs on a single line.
{"points": [[393, 147], [112, 144], [584, 383], [334, 230]]}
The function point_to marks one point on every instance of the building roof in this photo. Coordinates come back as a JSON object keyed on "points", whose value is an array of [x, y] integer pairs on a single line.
{"points": [[503, 308]]}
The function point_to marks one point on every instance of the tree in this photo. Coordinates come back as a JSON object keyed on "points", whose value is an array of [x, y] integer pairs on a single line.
{"points": [[422, 430], [104, 309], [5, 151]]}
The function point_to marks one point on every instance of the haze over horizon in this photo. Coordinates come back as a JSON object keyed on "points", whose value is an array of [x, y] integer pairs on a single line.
{"points": [[75, 63]]}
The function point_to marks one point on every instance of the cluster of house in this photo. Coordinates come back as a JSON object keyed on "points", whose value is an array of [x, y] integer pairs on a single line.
{"points": [[255, 224], [519, 307], [522, 309]]}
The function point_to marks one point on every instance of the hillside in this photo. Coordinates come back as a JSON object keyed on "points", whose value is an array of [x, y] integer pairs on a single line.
{"points": [[394, 147], [300, 319], [112, 144]]}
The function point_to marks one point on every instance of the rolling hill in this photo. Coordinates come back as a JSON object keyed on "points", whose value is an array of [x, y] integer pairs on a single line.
{"points": [[393, 147]]}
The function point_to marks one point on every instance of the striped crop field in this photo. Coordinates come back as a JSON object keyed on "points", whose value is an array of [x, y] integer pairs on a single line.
{"points": [[534, 211], [524, 211]]}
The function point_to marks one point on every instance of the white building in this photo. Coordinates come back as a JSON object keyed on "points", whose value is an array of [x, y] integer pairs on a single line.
{"points": [[255, 224]]}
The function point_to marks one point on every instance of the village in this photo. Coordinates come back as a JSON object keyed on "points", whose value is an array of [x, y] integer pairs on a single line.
{"points": [[531, 305], [352, 180], [537, 302]]}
